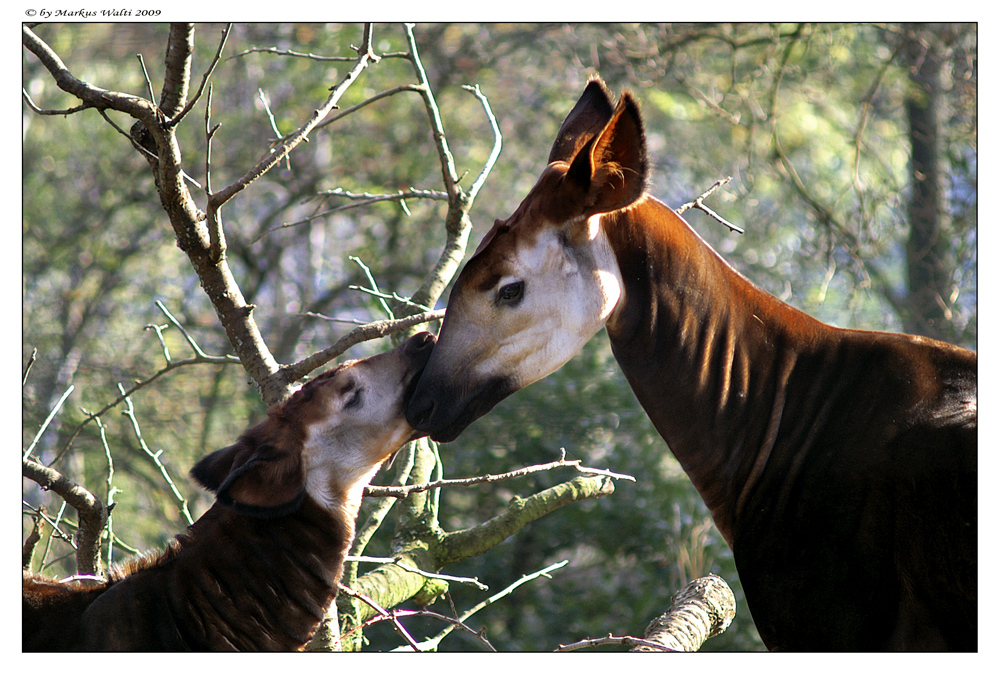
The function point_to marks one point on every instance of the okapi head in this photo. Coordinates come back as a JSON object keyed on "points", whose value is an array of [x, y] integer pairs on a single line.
{"points": [[326, 441], [543, 281]]}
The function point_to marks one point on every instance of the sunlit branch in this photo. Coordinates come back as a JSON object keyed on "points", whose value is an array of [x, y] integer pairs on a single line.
{"points": [[406, 490]]}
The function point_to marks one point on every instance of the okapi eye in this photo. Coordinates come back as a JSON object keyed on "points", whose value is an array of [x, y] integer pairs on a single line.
{"points": [[354, 400], [510, 294], [351, 394]]}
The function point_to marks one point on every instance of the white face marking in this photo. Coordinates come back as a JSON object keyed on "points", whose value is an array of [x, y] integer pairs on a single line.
{"points": [[362, 423], [569, 292]]}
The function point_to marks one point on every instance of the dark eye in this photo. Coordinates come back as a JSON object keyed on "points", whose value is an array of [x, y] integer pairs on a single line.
{"points": [[510, 294], [351, 395]]}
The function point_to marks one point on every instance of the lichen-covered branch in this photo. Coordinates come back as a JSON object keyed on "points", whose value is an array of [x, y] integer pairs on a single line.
{"points": [[702, 609], [520, 511]]}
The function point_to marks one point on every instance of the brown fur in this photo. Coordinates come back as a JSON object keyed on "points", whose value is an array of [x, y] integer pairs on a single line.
{"points": [[840, 465], [259, 569]]}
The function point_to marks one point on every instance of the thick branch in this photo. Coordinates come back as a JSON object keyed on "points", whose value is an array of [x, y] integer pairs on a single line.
{"points": [[481, 538], [177, 73], [390, 584], [92, 97], [702, 609], [93, 515]]}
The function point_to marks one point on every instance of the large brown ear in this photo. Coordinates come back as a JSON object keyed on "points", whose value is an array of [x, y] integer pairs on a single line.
{"points": [[254, 478], [611, 170], [590, 114]]}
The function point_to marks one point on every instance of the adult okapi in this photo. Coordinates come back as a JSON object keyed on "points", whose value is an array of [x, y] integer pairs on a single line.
{"points": [[260, 568], [839, 465]]}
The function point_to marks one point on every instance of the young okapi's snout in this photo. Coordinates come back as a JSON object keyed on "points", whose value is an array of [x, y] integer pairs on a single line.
{"points": [[260, 568], [326, 441]]}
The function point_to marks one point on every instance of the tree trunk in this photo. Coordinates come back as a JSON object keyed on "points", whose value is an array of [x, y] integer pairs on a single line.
{"points": [[926, 308]]}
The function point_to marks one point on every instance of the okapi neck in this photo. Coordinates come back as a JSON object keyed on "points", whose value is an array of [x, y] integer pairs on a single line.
{"points": [[703, 349], [278, 574]]}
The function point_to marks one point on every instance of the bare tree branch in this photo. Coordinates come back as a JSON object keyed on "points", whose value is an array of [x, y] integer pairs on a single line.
{"points": [[176, 119], [476, 540], [92, 512], [702, 609], [365, 55], [699, 203], [406, 490], [370, 331], [624, 640], [177, 70], [431, 644]]}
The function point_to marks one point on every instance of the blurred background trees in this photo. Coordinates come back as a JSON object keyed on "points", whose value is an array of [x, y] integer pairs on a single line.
{"points": [[853, 157]]}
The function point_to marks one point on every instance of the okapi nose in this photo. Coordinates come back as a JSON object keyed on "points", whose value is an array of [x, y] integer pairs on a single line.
{"points": [[419, 343]]}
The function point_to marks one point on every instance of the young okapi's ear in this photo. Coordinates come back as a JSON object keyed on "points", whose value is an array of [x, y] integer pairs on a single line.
{"points": [[254, 478], [611, 169], [590, 114]]}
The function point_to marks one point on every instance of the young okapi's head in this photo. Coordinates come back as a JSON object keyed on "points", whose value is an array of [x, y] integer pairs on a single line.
{"points": [[543, 281], [326, 441]]}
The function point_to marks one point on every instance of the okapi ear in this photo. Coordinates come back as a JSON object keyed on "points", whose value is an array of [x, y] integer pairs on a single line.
{"points": [[611, 170], [253, 478], [590, 114]]}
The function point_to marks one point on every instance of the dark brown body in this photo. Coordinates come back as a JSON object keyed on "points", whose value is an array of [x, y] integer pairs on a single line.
{"points": [[840, 465], [231, 582]]}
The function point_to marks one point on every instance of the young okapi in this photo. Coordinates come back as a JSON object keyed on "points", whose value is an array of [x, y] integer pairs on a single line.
{"points": [[260, 568], [839, 465]]}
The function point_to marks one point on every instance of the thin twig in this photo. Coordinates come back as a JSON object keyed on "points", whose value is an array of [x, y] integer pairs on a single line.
{"points": [[361, 200], [48, 420], [374, 284], [155, 456], [187, 336], [310, 55], [497, 142], [409, 568], [382, 611], [27, 366], [145, 75], [44, 111], [626, 640], [204, 80], [217, 199], [406, 490], [395, 297], [432, 643], [53, 523], [368, 101], [699, 203], [440, 140]]}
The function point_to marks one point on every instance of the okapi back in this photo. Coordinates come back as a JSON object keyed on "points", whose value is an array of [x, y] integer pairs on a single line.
{"points": [[193, 596]]}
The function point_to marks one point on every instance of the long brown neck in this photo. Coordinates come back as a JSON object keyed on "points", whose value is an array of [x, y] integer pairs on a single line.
{"points": [[234, 582], [706, 352]]}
